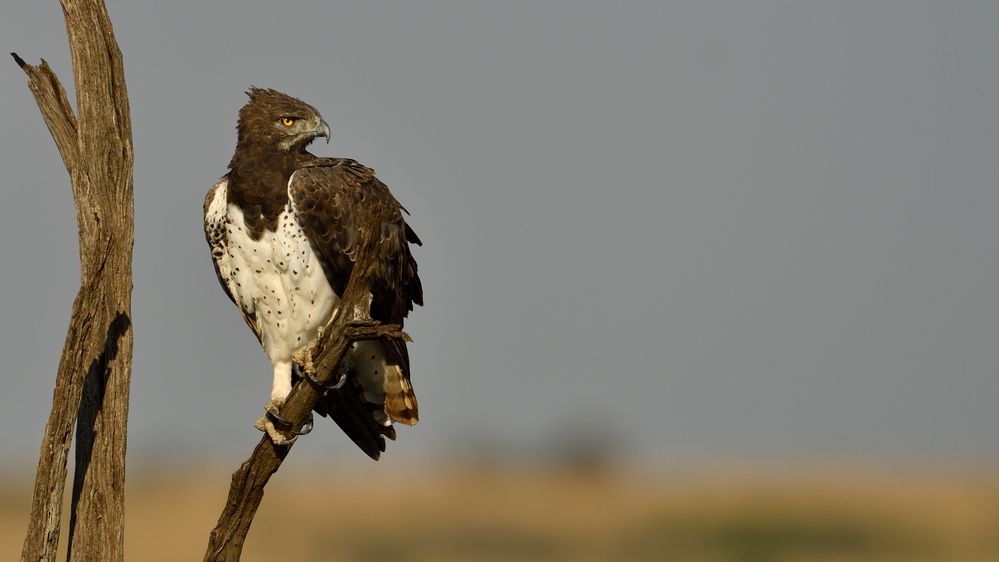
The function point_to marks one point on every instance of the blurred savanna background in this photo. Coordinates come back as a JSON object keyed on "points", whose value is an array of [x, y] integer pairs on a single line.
{"points": [[705, 280]]}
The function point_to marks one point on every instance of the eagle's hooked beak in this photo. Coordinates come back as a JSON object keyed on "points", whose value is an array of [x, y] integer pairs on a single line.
{"points": [[323, 130]]}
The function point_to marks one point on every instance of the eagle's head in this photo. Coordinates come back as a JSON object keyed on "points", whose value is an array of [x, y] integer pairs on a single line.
{"points": [[279, 121]]}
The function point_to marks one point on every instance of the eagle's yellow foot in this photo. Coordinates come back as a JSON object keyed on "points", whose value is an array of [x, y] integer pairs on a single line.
{"points": [[277, 436], [278, 428]]}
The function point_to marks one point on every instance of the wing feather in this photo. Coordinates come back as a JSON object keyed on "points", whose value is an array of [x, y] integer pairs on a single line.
{"points": [[338, 202]]}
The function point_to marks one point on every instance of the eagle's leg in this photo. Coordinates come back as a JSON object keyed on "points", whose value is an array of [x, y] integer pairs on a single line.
{"points": [[270, 412], [277, 428], [328, 385], [272, 423], [303, 367], [282, 382]]}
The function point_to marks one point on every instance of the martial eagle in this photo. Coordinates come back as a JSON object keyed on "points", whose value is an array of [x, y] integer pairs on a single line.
{"points": [[284, 227]]}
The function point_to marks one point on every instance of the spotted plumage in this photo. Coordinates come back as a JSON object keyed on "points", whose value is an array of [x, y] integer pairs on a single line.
{"points": [[284, 227]]}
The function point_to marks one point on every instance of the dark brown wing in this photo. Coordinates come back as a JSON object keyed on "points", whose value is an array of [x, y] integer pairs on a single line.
{"points": [[338, 203]]}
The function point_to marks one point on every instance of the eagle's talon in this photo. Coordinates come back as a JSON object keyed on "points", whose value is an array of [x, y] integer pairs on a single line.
{"points": [[280, 424], [276, 427], [325, 386], [276, 435], [271, 413], [339, 383], [306, 426]]}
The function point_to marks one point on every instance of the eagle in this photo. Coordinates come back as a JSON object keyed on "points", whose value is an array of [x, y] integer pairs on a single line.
{"points": [[284, 227]]}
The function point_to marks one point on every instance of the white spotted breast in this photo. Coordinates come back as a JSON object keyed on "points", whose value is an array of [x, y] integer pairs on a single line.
{"points": [[277, 281]]}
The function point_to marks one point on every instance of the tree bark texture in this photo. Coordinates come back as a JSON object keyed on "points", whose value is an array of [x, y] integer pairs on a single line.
{"points": [[92, 382], [225, 544]]}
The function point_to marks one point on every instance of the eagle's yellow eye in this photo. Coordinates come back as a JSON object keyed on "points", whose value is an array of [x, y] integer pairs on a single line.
{"points": [[287, 121]]}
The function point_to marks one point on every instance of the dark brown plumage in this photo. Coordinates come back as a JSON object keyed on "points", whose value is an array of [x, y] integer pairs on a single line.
{"points": [[259, 170], [337, 204]]}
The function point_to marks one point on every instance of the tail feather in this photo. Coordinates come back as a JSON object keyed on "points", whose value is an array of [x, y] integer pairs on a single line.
{"points": [[380, 368], [356, 417], [400, 400]]}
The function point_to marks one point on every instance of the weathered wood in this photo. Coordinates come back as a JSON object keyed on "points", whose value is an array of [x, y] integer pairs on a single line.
{"points": [[55, 107], [92, 381], [247, 488]]}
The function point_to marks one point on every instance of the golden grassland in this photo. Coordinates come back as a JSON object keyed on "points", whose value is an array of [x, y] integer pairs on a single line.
{"points": [[478, 514]]}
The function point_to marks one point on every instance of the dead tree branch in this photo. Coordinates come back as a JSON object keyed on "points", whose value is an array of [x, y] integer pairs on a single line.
{"points": [[247, 488], [94, 372]]}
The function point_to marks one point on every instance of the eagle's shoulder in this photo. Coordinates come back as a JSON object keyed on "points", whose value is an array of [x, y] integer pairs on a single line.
{"points": [[348, 181], [354, 196], [341, 165]]}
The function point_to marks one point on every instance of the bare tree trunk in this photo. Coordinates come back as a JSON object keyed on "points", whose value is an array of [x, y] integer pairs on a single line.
{"points": [[247, 488], [92, 382]]}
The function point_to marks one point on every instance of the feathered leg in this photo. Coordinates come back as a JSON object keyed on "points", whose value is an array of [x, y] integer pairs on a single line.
{"points": [[271, 422]]}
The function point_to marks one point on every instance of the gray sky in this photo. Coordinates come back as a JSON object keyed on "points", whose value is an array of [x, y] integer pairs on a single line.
{"points": [[704, 228]]}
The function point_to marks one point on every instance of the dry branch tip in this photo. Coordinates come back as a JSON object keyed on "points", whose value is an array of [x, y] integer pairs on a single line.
{"points": [[20, 62]]}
